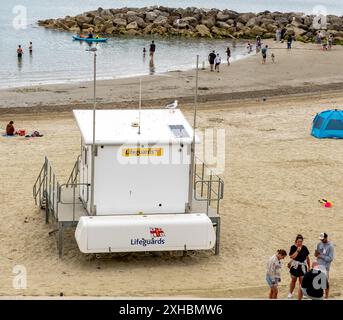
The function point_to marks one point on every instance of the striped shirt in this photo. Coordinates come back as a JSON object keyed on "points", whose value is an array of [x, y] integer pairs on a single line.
{"points": [[274, 266]]}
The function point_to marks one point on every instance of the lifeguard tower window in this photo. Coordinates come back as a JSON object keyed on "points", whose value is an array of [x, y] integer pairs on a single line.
{"points": [[318, 122], [335, 124], [179, 131]]}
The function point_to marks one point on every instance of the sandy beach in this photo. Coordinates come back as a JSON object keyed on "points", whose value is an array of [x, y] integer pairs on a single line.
{"points": [[306, 69], [275, 173]]}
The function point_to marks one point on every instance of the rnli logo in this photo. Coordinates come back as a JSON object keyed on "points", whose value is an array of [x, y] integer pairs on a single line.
{"points": [[157, 232], [157, 238]]}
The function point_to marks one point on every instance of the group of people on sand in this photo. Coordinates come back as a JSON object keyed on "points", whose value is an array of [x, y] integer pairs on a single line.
{"points": [[326, 42], [215, 60], [11, 131], [20, 50], [313, 278]]}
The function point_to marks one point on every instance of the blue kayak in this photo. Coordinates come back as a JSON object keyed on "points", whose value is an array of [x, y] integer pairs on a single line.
{"points": [[90, 39]]}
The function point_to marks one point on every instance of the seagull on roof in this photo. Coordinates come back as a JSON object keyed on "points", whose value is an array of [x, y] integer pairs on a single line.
{"points": [[173, 105]]}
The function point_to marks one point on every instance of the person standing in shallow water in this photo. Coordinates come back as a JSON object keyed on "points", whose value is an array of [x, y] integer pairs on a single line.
{"points": [[264, 54], [211, 57], [20, 52], [152, 49], [228, 54], [30, 48], [299, 265]]}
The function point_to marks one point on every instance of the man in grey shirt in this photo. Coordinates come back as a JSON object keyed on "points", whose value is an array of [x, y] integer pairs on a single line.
{"points": [[324, 254]]}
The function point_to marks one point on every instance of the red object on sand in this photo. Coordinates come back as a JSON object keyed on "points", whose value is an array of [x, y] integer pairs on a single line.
{"points": [[21, 132], [328, 204]]}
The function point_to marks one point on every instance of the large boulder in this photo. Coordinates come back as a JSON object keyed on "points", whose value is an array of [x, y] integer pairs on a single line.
{"points": [[192, 21], [161, 21], [140, 21], [120, 22], [132, 26], [88, 26], [298, 24], [297, 32], [282, 21], [256, 31], [222, 25], [232, 14], [106, 14], [252, 22], [150, 16], [81, 19], [245, 17], [70, 23], [239, 26], [209, 22], [222, 17], [203, 31], [98, 20]]}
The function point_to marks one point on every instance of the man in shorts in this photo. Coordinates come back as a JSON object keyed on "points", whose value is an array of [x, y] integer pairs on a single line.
{"points": [[325, 254], [211, 57]]}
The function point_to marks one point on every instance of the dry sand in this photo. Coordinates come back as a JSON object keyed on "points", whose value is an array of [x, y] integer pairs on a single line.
{"points": [[275, 173]]}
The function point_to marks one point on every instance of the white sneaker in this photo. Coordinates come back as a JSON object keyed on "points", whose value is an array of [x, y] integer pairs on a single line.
{"points": [[290, 296]]}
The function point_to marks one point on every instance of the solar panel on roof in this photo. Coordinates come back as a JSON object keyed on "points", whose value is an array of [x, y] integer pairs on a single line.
{"points": [[179, 131]]}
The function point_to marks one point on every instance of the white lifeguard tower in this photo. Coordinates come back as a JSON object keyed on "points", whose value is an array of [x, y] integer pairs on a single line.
{"points": [[142, 190]]}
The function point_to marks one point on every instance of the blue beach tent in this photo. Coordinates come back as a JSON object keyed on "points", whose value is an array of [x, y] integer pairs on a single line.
{"points": [[328, 124]]}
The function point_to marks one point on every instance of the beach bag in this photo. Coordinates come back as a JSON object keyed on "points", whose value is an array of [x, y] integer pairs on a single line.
{"points": [[21, 132]]}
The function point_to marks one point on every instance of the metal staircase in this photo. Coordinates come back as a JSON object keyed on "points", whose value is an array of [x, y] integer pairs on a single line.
{"points": [[61, 202]]}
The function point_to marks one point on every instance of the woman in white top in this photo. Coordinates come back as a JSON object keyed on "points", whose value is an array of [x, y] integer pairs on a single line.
{"points": [[217, 62], [273, 275]]}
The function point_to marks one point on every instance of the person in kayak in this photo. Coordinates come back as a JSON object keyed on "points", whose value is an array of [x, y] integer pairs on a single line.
{"points": [[20, 52], [90, 35]]}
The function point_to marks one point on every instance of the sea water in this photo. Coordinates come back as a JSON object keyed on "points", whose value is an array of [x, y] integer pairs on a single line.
{"points": [[57, 58]]}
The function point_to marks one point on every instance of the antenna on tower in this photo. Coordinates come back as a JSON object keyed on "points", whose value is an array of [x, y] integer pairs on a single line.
{"points": [[140, 106]]}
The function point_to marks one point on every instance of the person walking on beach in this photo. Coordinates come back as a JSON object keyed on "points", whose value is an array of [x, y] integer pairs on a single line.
{"points": [[273, 57], [228, 54], [217, 62], [299, 265], [325, 254], [278, 34], [325, 44], [152, 49], [211, 57], [258, 44], [264, 54], [273, 275], [330, 41], [20, 52], [315, 282], [249, 47], [10, 131], [289, 42], [319, 38]]}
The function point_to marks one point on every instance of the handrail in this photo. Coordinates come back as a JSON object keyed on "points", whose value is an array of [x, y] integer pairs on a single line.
{"points": [[208, 182], [74, 185], [74, 173]]}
